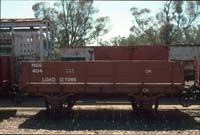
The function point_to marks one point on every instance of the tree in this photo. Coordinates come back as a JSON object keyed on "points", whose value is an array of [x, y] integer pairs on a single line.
{"points": [[144, 25], [44, 10], [101, 27], [123, 41], [192, 36], [175, 20], [74, 21]]}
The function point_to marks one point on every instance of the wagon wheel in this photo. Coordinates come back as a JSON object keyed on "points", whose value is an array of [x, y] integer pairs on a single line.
{"points": [[70, 102], [156, 105], [186, 100], [52, 110], [139, 106], [47, 105], [135, 105], [18, 95]]}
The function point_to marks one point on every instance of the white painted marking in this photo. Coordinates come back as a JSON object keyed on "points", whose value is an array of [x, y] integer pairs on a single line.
{"points": [[147, 71], [49, 79], [67, 79], [37, 71], [104, 83], [36, 65], [69, 70]]}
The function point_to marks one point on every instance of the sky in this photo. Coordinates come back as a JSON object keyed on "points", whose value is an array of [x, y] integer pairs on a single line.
{"points": [[118, 12]]}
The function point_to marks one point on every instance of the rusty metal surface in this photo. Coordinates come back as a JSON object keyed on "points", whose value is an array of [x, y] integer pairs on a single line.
{"points": [[116, 53], [102, 77], [137, 52], [131, 53], [6, 72]]}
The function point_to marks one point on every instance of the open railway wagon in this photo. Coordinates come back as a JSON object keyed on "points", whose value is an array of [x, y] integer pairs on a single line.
{"points": [[137, 73], [142, 82]]}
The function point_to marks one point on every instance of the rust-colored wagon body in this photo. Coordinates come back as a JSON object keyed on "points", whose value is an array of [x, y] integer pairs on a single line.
{"points": [[131, 53], [198, 73], [115, 53], [142, 81], [110, 77], [7, 73]]}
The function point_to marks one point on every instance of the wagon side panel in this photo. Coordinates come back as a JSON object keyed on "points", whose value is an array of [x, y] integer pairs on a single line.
{"points": [[101, 77], [111, 53], [150, 53], [131, 53]]}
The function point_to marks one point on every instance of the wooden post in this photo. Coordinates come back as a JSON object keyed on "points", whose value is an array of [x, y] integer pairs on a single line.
{"points": [[41, 42]]}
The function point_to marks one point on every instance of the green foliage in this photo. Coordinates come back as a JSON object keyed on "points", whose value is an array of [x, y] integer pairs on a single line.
{"points": [[123, 41], [144, 25], [175, 20], [174, 24], [192, 35], [74, 21]]}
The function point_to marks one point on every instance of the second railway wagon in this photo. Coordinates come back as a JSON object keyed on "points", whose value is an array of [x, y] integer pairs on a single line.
{"points": [[143, 52], [7, 74], [142, 82]]}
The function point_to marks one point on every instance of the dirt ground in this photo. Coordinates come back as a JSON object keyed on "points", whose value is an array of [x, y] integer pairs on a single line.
{"points": [[99, 119]]}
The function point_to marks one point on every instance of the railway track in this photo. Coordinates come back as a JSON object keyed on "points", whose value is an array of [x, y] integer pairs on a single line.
{"points": [[101, 119], [111, 107], [38, 102]]}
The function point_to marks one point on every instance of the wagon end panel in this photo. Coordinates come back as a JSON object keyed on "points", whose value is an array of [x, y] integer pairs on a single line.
{"points": [[4, 72], [197, 71], [7, 72]]}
